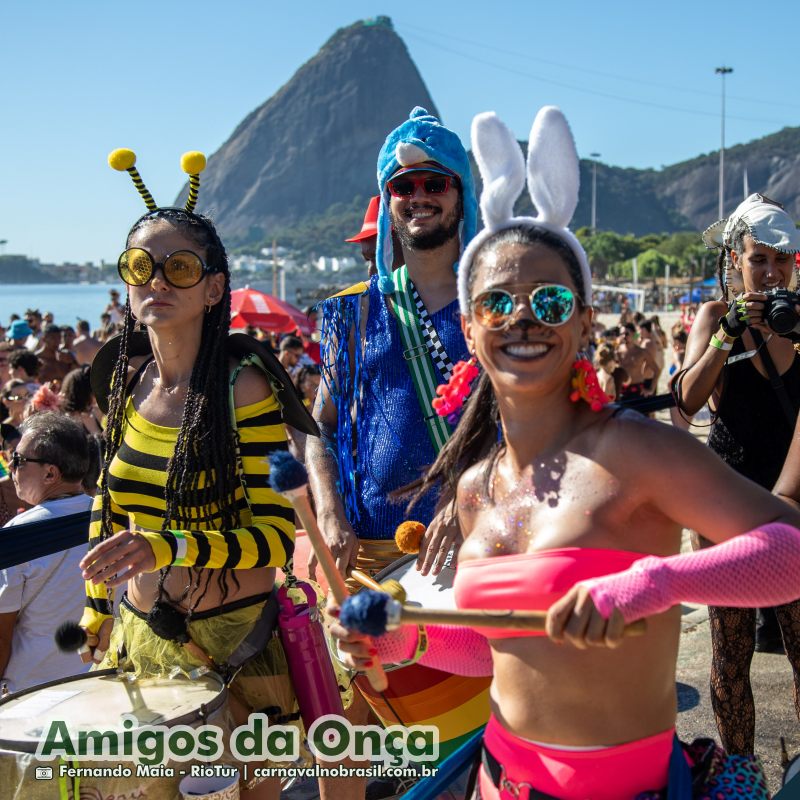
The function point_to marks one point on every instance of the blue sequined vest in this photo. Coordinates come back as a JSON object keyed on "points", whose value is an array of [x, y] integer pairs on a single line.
{"points": [[391, 445]]}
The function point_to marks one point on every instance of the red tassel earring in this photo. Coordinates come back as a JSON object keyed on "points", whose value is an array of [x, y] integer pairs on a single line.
{"points": [[585, 384], [453, 393]]}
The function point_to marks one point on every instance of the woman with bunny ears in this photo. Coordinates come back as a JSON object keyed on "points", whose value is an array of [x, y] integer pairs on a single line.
{"points": [[562, 510]]}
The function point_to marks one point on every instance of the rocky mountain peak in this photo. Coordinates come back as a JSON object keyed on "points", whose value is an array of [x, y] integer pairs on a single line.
{"points": [[315, 142]]}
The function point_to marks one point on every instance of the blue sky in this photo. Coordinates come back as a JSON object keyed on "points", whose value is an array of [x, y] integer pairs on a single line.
{"points": [[635, 79]]}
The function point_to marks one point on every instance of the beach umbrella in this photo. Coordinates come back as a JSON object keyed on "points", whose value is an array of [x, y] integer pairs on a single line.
{"points": [[251, 307]]}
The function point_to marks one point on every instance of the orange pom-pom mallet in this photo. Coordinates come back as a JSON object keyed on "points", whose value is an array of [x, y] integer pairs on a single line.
{"points": [[408, 536]]}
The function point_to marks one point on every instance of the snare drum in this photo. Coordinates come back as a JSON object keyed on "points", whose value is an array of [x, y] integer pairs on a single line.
{"points": [[457, 705], [96, 702]]}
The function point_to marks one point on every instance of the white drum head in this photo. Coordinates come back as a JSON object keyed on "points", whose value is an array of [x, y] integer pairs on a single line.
{"points": [[98, 701], [428, 591]]}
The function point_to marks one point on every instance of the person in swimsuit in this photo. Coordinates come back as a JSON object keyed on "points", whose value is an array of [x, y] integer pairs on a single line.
{"points": [[560, 501], [752, 430], [637, 361]]}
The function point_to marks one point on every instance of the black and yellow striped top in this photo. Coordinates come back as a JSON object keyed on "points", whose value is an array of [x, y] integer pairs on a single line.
{"points": [[136, 481]]}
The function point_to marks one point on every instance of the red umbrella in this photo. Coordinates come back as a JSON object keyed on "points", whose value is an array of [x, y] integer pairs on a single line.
{"points": [[251, 307]]}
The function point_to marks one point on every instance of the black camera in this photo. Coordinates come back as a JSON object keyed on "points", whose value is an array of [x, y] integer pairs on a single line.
{"points": [[779, 310]]}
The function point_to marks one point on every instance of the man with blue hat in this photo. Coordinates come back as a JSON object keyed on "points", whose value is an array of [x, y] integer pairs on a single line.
{"points": [[386, 345], [18, 332]]}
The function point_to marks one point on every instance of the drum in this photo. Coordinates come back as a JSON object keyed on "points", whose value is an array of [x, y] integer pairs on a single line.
{"points": [[457, 705], [96, 702]]}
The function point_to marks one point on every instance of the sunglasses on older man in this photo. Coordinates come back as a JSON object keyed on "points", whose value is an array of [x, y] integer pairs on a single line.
{"points": [[407, 185], [17, 460], [551, 304], [182, 269]]}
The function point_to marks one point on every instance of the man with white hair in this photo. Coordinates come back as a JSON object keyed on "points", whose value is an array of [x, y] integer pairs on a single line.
{"points": [[47, 466]]}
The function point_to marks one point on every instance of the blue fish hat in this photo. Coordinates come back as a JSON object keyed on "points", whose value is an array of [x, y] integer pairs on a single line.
{"points": [[421, 138]]}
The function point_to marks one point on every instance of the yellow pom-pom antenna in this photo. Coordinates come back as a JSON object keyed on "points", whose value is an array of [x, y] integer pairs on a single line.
{"points": [[408, 536], [193, 163], [123, 160]]}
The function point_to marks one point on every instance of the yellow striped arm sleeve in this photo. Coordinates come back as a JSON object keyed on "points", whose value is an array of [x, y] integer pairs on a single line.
{"points": [[99, 598], [266, 535]]}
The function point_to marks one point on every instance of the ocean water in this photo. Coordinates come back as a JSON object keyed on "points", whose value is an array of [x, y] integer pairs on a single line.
{"points": [[68, 302]]}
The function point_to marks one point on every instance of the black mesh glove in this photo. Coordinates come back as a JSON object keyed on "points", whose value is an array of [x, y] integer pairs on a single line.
{"points": [[734, 323]]}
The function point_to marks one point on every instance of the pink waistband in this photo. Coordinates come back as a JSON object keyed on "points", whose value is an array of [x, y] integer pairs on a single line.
{"points": [[610, 773]]}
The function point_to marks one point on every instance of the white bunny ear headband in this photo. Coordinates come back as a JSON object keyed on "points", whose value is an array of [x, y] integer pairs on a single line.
{"points": [[553, 180]]}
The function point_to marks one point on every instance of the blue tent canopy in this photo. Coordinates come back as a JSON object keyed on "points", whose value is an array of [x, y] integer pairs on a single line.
{"points": [[697, 296]]}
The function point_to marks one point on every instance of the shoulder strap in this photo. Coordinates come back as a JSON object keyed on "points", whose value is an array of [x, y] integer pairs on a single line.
{"points": [[256, 640], [775, 379], [679, 786], [418, 355], [137, 376]]}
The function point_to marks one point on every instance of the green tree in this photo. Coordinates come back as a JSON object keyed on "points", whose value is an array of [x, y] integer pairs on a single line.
{"points": [[606, 248]]}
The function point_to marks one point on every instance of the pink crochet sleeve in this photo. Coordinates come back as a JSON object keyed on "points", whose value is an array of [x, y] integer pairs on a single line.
{"points": [[755, 569], [460, 651]]}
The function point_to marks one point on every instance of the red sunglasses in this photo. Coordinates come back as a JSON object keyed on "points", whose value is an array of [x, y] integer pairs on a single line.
{"points": [[406, 186]]}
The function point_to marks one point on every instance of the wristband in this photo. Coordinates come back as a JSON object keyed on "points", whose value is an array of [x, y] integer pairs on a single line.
{"points": [[724, 337], [720, 345], [181, 547], [419, 651]]}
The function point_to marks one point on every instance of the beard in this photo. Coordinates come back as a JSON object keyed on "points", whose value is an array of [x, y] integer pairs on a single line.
{"points": [[446, 230]]}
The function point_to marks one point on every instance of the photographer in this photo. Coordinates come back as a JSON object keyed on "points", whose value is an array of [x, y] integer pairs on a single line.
{"points": [[750, 375]]}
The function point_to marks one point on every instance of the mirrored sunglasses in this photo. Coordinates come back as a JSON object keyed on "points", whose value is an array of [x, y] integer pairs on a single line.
{"points": [[407, 185], [550, 304], [182, 269]]}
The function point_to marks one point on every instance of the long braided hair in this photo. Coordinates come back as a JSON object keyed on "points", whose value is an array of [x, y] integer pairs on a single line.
{"points": [[202, 473]]}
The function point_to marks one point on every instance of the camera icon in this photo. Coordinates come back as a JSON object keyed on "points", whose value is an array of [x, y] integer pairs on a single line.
{"points": [[44, 773]]}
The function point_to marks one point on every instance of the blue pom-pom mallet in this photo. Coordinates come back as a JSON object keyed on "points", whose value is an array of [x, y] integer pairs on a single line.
{"points": [[376, 613], [290, 478], [286, 473], [368, 612]]}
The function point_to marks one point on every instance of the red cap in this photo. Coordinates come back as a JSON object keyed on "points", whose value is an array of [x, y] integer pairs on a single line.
{"points": [[370, 227]]}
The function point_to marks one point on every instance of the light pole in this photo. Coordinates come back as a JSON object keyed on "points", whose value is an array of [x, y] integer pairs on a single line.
{"points": [[722, 71], [594, 157]]}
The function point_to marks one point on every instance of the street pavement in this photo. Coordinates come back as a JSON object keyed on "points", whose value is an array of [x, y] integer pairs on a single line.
{"points": [[771, 677]]}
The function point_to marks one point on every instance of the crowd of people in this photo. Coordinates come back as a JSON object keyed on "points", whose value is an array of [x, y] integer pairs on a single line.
{"points": [[535, 480]]}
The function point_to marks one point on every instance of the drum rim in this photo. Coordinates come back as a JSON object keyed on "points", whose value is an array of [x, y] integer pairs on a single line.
{"points": [[400, 562], [29, 746]]}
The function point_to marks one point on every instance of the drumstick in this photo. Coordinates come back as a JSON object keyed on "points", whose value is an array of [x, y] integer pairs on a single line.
{"points": [[376, 613], [366, 580], [392, 587], [289, 478]]}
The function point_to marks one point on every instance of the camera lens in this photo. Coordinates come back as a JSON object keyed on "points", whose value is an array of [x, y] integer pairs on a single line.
{"points": [[779, 311]]}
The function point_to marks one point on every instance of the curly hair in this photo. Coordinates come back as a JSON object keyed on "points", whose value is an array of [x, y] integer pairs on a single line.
{"points": [[205, 444]]}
